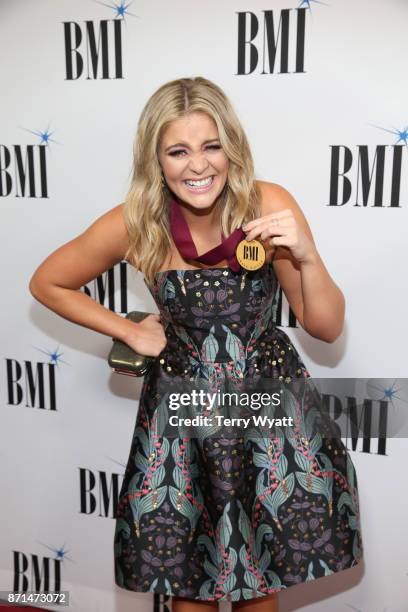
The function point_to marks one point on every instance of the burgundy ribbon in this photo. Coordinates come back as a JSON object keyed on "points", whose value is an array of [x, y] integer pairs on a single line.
{"points": [[186, 247]]}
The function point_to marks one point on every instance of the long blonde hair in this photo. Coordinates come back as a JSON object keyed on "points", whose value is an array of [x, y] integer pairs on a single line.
{"points": [[146, 209]]}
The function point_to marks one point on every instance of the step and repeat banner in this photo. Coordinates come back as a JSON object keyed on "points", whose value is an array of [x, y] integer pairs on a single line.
{"points": [[321, 90]]}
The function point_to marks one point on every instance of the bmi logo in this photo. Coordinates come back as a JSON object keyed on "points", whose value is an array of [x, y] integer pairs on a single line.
{"points": [[93, 49], [23, 168], [273, 43], [41, 574], [31, 385], [369, 175], [36, 573], [98, 492], [110, 288]]}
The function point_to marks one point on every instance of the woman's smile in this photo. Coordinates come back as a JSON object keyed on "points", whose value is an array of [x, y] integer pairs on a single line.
{"points": [[200, 185], [194, 164]]}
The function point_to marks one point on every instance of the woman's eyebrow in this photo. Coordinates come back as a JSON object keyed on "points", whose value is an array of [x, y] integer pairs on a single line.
{"points": [[184, 144]]}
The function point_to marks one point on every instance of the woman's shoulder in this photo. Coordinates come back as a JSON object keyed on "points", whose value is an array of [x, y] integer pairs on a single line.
{"points": [[110, 229], [275, 198], [116, 219]]}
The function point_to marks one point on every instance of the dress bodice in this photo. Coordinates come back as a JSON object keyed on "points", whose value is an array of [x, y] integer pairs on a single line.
{"points": [[217, 312]]}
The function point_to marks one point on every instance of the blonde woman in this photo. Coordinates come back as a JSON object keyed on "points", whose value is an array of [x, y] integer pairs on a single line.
{"points": [[207, 518]]}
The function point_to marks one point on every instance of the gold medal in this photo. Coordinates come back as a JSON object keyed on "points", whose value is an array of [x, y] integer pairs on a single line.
{"points": [[250, 255]]}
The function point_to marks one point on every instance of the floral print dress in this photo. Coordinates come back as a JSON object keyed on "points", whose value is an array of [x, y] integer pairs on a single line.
{"points": [[217, 517]]}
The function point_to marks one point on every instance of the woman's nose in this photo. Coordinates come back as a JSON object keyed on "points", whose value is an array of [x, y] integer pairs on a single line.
{"points": [[198, 163]]}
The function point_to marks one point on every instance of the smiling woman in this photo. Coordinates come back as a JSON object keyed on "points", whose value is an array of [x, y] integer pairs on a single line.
{"points": [[194, 165], [220, 514]]}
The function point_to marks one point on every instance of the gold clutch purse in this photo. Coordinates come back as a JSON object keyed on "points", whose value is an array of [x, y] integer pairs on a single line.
{"points": [[123, 359]]}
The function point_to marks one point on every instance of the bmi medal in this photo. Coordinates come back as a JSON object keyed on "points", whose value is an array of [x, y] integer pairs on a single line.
{"points": [[250, 255]]}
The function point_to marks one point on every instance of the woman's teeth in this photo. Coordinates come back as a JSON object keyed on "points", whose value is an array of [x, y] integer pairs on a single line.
{"points": [[201, 183]]}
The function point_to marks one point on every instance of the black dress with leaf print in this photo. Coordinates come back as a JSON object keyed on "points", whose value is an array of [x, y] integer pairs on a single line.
{"points": [[214, 517]]}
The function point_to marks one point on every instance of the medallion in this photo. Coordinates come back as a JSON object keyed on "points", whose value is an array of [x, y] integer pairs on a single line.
{"points": [[250, 255]]}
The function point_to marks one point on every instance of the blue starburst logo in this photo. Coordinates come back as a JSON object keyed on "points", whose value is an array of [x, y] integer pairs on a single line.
{"points": [[60, 553], [395, 393], [54, 357], [45, 136], [308, 3], [383, 390], [401, 135], [121, 10]]}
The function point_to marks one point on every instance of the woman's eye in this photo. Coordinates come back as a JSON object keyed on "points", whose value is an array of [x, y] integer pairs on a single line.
{"points": [[173, 153], [178, 152]]}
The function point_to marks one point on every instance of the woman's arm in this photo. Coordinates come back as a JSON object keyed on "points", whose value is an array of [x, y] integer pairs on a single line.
{"points": [[324, 304], [56, 282], [316, 300]]}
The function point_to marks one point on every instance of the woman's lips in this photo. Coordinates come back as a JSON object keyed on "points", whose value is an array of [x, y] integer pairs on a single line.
{"points": [[200, 189]]}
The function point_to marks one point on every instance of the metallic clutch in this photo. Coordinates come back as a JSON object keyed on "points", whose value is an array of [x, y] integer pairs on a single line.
{"points": [[123, 359]]}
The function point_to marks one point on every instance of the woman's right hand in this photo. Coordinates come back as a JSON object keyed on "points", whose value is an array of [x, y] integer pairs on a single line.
{"points": [[147, 337]]}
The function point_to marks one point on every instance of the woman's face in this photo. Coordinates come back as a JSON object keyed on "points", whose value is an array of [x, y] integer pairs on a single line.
{"points": [[194, 165]]}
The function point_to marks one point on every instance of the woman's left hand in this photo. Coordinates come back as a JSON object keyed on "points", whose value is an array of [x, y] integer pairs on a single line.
{"points": [[284, 230]]}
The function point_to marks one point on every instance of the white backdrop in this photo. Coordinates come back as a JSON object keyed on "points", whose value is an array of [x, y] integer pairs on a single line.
{"points": [[63, 442]]}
